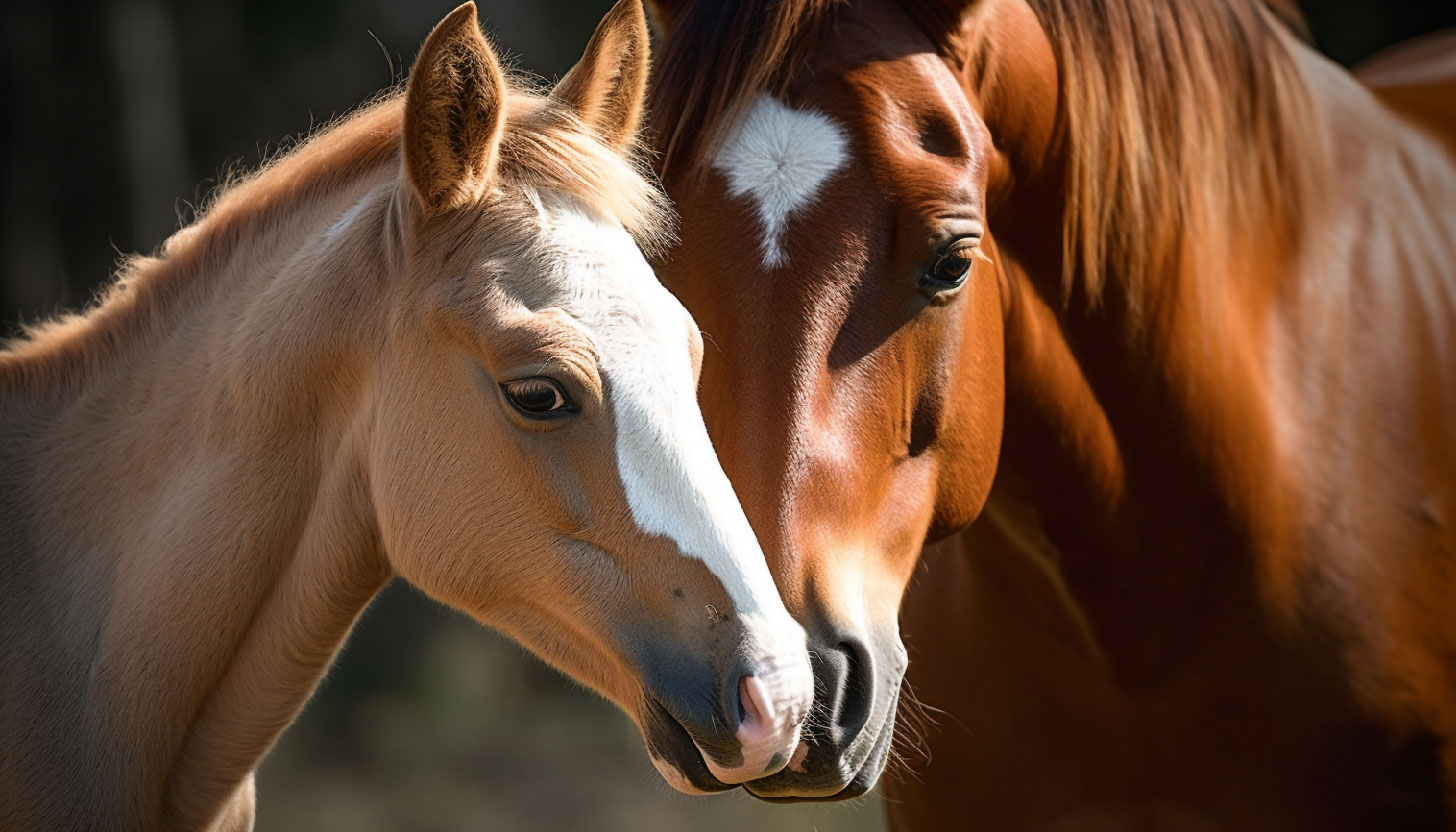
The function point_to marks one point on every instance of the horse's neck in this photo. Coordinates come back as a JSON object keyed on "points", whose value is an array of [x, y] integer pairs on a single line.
{"points": [[196, 539], [1362, 366], [1178, 471], [1130, 494]]}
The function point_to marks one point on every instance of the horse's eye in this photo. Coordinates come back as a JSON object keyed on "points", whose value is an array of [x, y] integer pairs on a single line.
{"points": [[952, 267], [948, 271], [538, 398]]}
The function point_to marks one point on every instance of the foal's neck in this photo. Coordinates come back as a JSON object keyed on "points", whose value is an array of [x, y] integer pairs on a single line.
{"points": [[198, 536]]}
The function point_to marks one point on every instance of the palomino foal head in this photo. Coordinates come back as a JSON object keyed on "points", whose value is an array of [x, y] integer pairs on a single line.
{"points": [[537, 454], [831, 242]]}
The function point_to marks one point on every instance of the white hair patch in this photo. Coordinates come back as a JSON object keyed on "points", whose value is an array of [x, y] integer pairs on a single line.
{"points": [[780, 158]]}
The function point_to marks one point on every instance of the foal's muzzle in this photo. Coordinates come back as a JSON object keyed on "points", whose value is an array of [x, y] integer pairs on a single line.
{"points": [[709, 738]]}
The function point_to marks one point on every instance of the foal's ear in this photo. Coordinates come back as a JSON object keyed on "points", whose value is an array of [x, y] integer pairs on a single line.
{"points": [[608, 86], [454, 112]]}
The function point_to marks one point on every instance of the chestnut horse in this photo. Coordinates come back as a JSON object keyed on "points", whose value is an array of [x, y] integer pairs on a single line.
{"points": [[422, 344], [1170, 297]]}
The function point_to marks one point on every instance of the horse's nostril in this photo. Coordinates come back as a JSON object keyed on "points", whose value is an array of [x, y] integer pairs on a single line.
{"points": [[855, 688], [767, 732], [755, 710]]}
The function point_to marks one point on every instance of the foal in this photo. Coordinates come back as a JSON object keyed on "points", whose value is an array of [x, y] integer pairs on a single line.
{"points": [[422, 344]]}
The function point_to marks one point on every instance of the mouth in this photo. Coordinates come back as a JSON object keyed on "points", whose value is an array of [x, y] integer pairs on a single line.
{"points": [[675, 754], [823, 774]]}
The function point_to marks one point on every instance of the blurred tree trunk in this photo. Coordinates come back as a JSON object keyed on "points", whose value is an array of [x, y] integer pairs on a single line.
{"points": [[64, 193], [144, 48]]}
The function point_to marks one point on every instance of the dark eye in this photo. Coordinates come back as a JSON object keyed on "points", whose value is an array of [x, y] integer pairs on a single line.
{"points": [[949, 269], [952, 267], [538, 398]]}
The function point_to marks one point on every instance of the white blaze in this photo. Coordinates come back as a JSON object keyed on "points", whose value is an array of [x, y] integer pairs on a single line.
{"points": [[674, 484], [780, 158]]}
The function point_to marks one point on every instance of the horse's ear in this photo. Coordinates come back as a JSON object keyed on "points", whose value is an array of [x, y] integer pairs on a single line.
{"points": [[943, 19], [454, 113], [608, 87]]}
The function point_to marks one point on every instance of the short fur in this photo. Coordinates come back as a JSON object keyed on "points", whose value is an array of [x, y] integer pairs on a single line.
{"points": [[206, 477], [1199, 379], [543, 148]]}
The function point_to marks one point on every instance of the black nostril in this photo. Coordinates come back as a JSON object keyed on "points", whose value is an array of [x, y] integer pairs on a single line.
{"points": [[857, 691], [844, 684]]}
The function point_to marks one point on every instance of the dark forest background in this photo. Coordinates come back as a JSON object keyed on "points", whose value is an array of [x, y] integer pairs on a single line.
{"points": [[121, 116]]}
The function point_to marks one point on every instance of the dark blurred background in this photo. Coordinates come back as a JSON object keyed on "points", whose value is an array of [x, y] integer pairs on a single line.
{"points": [[123, 115]]}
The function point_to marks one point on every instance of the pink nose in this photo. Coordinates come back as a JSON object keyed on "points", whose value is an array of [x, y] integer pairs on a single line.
{"points": [[769, 725]]}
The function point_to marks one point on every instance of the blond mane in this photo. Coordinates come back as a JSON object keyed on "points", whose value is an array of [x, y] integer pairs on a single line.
{"points": [[544, 148]]}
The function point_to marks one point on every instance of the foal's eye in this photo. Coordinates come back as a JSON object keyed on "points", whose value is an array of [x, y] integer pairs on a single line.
{"points": [[539, 398]]}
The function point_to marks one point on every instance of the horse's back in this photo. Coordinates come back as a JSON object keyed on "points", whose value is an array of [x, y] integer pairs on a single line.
{"points": [[1418, 80]]}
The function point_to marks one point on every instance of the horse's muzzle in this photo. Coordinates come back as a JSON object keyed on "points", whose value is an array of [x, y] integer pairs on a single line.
{"points": [[853, 722]]}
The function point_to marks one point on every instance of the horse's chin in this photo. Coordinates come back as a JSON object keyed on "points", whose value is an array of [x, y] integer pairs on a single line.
{"points": [[681, 782], [859, 786], [674, 754]]}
